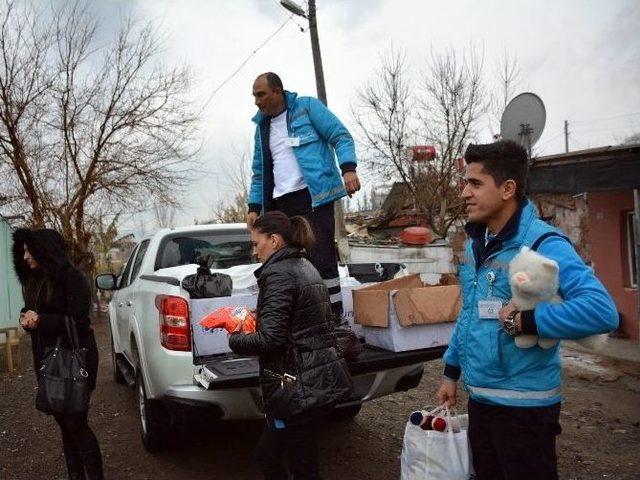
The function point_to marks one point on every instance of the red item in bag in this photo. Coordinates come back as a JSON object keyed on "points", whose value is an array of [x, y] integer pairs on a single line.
{"points": [[232, 319]]}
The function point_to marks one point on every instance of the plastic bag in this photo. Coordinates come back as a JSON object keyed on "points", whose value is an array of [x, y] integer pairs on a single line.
{"points": [[437, 455], [232, 319], [204, 284]]}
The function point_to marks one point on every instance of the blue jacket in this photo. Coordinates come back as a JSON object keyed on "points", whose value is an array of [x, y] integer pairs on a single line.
{"points": [[493, 369], [320, 134]]}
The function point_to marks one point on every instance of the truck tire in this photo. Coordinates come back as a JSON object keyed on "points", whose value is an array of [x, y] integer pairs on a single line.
{"points": [[346, 413], [117, 374], [152, 419]]}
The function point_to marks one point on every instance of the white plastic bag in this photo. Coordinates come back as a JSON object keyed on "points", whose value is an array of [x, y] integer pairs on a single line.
{"points": [[433, 455]]}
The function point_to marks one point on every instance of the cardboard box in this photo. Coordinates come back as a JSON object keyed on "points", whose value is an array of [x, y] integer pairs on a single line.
{"points": [[403, 314], [371, 303]]}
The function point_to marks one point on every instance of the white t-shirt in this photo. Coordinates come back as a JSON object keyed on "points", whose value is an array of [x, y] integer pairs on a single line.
{"points": [[287, 176]]}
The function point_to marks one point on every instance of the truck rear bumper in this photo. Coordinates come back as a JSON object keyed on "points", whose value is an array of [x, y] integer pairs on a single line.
{"points": [[230, 404], [231, 371], [230, 383]]}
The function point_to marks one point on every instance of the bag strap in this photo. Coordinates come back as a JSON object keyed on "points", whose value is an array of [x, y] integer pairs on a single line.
{"points": [[544, 236], [72, 332]]}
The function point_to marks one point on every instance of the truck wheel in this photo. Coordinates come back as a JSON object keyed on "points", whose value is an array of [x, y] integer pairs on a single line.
{"points": [[346, 413], [117, 374], [152, 422]]}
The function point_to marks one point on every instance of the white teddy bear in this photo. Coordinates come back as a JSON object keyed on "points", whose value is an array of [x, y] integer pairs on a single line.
{"points": [[533, 279]]}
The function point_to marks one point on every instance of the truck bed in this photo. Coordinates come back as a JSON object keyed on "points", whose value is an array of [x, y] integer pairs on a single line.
{"points": [[232, 371]]}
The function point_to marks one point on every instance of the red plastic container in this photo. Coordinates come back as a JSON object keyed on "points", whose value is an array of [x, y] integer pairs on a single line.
{"points": [[416, 236], [423, 153]]}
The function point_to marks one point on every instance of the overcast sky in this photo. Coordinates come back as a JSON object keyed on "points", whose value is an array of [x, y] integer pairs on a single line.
{"points": [[581, 57]]}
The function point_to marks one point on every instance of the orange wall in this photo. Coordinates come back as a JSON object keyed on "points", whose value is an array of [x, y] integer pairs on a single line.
{"points": [[607, 241]]}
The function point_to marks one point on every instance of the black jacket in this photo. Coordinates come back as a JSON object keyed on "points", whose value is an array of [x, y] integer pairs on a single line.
{"points": [[66, 292], [294, 336]]}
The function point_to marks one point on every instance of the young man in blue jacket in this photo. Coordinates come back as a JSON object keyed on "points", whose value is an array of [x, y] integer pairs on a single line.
{"points": [[514, 393], [294, 168]]}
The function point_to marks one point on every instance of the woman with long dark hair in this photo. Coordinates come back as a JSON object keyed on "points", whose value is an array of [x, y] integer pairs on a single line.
{"points": [[54, 289], [301, 375]]}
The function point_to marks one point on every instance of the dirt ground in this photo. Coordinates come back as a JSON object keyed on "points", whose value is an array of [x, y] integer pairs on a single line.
{"points": [[600, 420]]}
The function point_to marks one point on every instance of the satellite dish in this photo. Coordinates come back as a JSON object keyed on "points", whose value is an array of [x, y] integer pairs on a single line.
{"points": [[523, 120]]}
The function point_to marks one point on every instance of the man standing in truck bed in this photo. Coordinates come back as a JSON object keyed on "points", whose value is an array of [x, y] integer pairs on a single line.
{"points": [[294, 168]]}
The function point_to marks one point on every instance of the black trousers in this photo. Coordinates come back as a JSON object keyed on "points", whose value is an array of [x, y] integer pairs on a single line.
{"points": [[295, 446], [514, 443], [81, 448], [323, 254]]}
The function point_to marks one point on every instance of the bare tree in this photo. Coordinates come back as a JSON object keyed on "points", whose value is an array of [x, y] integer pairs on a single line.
{"points": [[239, 178], [88, 130], [164, 214], [391, 117], [632, 139], [450, 108], [507, 76], [385, 116], [105, 233]]}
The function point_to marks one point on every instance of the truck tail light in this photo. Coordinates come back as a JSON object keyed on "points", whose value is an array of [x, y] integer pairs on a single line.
{"points": [[175, 332]]}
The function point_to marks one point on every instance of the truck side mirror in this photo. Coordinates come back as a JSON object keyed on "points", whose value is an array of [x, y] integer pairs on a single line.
{"points": [[106, 281]]}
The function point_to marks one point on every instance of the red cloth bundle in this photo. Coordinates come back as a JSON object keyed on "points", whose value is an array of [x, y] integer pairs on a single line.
{"points": [[232, 319]]}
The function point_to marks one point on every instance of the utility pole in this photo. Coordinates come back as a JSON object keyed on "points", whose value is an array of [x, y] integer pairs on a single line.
{"points": [[566, 136], [315, 49], [636, 246]]}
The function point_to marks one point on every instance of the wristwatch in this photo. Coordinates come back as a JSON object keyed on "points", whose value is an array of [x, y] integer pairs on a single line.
{"points": [[510, 325]]}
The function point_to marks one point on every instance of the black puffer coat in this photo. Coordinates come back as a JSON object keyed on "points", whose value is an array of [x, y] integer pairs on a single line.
{"points": [[294, 336], [66, 292]]}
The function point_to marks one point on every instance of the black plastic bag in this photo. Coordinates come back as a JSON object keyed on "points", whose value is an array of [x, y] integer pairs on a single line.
{"points": [[205, 284], [63, 379]]}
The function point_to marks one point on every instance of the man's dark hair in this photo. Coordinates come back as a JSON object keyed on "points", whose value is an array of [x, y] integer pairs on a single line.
{"points": [[273, 80], [503, 160]]}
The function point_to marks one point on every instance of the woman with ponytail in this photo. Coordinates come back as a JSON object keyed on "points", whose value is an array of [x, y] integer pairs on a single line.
{"points": [[301, 376]]}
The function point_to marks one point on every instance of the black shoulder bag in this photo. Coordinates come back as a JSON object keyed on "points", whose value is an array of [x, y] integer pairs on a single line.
{"points": [[63, 379], [348, 344]]}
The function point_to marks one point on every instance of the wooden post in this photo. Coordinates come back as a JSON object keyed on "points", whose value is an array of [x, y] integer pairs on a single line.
{"points": [[636, 246]]}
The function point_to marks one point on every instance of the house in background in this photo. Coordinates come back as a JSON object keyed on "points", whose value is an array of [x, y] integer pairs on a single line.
{"points": [[10, 291], [589, 194]]}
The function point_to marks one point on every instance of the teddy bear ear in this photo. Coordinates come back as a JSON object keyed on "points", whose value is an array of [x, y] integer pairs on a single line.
{"points": [[524, 248], [550, 265]]}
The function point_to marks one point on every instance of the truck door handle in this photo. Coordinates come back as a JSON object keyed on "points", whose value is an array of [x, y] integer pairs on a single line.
{"points": [[129, 303], [120, 304]]}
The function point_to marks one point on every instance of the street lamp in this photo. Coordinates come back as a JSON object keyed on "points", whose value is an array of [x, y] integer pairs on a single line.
{"points": [[315, 41]]}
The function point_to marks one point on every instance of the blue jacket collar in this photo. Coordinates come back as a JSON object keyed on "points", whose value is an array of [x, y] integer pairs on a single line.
{"points": [[512, 230], [289, 99]]}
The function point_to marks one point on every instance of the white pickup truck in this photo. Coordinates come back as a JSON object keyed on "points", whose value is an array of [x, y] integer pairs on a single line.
{"points": [[154, 350]]}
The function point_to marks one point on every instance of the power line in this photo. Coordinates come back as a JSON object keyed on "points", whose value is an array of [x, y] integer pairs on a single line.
{"points": [[237, 70], [593, 120], [547, 142]]}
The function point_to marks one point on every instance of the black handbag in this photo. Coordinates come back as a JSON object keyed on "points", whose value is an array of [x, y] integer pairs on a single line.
{"points": [[63, 378], [204, 284], [348, 344]]}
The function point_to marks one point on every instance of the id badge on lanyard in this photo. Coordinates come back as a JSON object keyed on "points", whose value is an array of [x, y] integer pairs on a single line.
{"points": [[489, 308]]}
